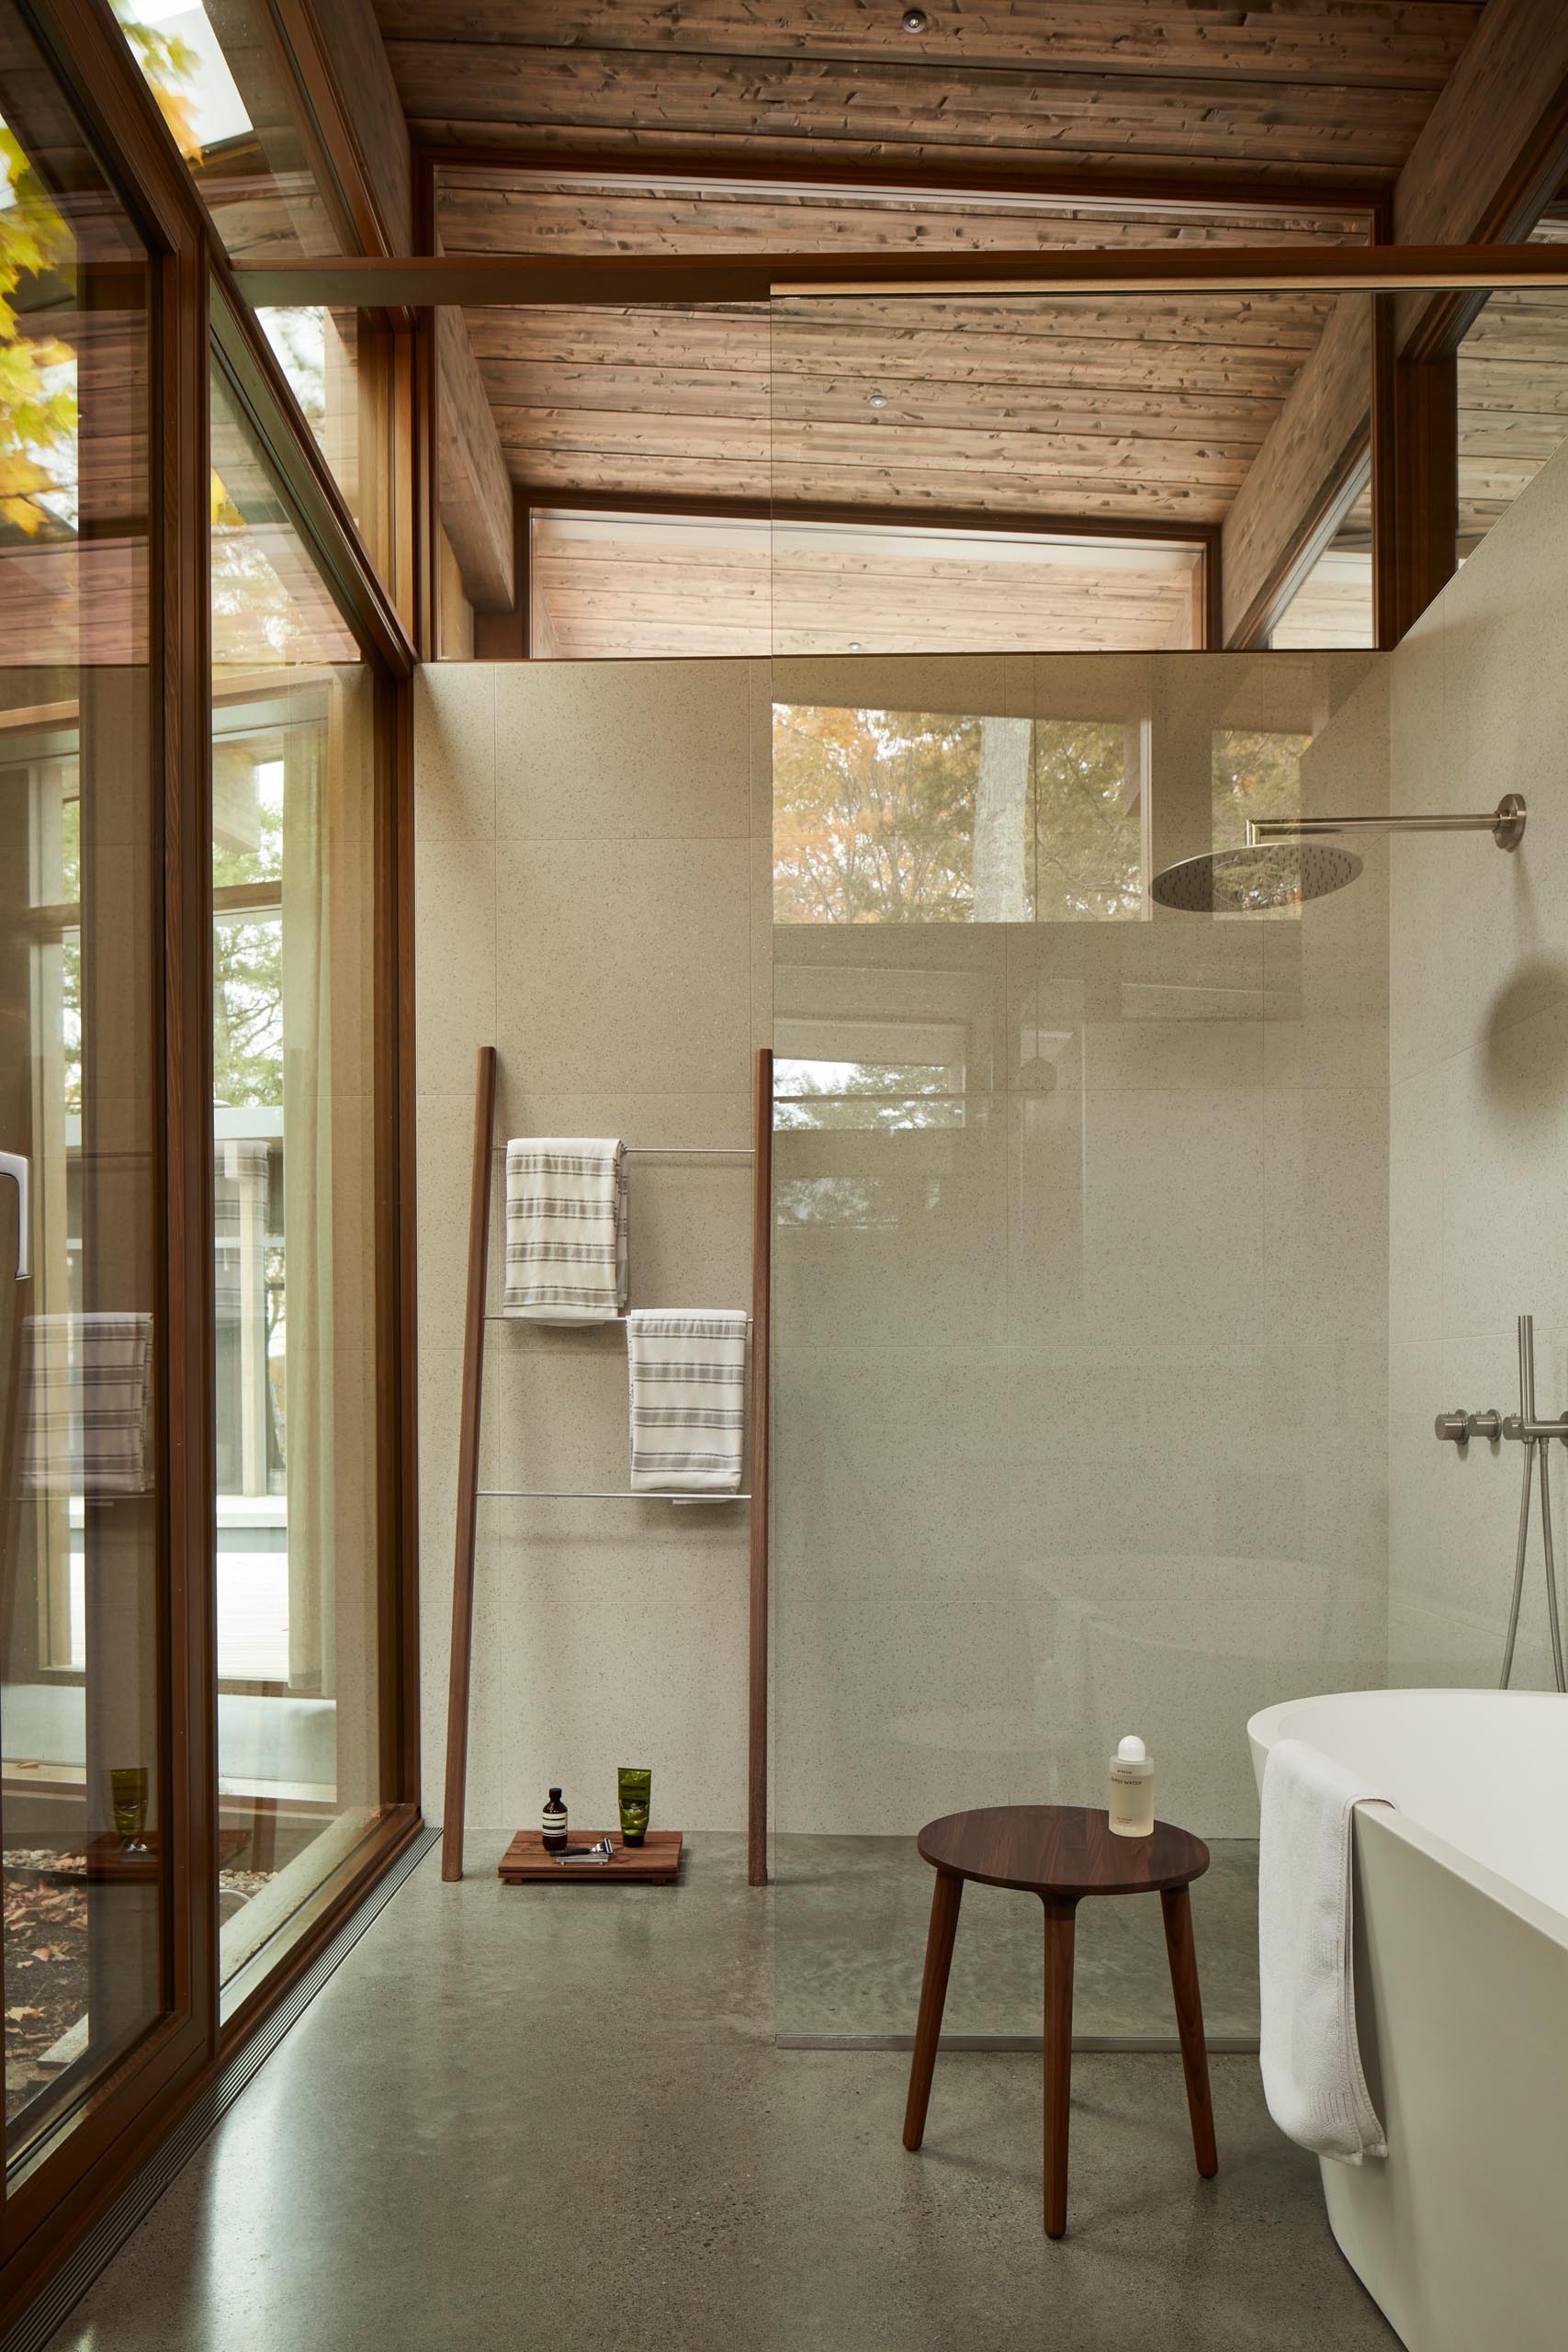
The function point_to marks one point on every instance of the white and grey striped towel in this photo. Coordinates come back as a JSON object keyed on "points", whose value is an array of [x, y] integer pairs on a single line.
{"points": [[87, 1420], [688, 1402], [566, 1229]]}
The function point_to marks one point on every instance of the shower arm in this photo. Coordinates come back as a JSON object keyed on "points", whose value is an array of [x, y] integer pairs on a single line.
{"points": [[1505, 823]]}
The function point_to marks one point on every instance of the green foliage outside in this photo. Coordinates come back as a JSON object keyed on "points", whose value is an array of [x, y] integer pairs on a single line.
{"points": [[1257, 773], [38, 389], [864, 1095], [874, 817], [247, 962], [37, 381]]}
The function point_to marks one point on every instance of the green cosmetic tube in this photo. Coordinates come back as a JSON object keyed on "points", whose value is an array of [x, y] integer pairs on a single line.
{"points": [[635, 1787]]}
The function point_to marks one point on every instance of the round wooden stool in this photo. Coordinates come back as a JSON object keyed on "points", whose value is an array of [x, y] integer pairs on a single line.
{"points": [[1062, 1852]]}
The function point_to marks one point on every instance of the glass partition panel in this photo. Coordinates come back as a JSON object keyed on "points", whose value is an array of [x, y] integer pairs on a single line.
{"points": [[294, 834], [612, 586], [1068, 473], [1079, 1221], [221, 74], [228, 88], [317, 350], [1513, 394], [85, 1807], [1333, 603]]}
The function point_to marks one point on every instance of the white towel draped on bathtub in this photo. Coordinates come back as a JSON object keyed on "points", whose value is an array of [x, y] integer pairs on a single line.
{"points": [[566, 1229], [688, 1401], [1312, 2077]]}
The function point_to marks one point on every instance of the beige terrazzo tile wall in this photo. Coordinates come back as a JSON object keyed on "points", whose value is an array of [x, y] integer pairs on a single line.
{"points": [[587, 875], [1479, 1069], [1079, 1407]]}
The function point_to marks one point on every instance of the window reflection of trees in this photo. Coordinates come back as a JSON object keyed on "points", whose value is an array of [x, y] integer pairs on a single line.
{"points": [[917, 816]]}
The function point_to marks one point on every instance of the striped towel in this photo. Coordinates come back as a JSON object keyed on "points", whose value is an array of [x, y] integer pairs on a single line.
{"points": [[688, 1383], [87, 1414], [566, 1229]]}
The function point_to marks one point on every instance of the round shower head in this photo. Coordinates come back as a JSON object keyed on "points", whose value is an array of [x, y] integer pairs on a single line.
{"points": [[1248, 881]]}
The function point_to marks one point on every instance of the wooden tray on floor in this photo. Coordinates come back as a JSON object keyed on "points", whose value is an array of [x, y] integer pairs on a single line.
{"points": [[656, 1862]]}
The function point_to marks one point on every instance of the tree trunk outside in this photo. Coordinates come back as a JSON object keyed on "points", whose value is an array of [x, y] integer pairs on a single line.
{"points": [[1001, 872]]}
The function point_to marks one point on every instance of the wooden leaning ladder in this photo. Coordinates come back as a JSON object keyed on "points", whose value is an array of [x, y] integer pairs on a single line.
{"points": [[480, 1208]]}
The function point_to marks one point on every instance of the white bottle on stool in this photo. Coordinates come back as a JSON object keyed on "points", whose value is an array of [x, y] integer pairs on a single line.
{"points": [[1131, 1799]]}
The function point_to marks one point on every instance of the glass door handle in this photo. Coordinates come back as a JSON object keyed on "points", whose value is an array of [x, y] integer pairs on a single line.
{"points": [[14, 1165]]}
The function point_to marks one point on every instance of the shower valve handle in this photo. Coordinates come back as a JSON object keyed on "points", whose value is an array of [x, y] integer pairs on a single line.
{"points": [[1458, 1427]]}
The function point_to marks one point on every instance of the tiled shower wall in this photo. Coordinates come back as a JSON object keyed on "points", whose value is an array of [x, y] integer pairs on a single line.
{"points": [[1079, 1407], [1479, 1066], [592, 858]]}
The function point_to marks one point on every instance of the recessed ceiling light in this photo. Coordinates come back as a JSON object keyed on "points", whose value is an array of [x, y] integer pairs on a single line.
{"points": [[877, 400], [915, 20], [854, 645]]}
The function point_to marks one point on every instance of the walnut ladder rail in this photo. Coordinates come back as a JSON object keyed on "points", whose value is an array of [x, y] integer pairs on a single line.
{"points": [[469, 1493]]}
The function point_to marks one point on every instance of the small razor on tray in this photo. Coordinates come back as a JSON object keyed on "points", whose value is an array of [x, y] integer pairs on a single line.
{"points": [[603, 1852]]}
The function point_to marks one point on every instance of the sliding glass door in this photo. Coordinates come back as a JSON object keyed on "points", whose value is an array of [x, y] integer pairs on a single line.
{"points": [[85, 1809], [294, 829], [204, 1574]]}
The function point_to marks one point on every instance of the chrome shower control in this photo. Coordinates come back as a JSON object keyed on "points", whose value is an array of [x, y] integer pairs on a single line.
{"points": [[1454, 1426], [1486, 1425], [1514, 1426], [1536, 1436]]}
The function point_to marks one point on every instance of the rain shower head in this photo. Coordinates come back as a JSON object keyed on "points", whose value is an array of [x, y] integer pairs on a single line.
{"points": [[1247, 881], [1286, 861]]}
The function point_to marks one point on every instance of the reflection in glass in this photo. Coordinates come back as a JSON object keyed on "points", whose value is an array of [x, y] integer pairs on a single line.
{"points": [[219, 74], [610, 586], [1258, 773], [218, 71], [317, 350], [885, 816], [1333, 605], [83, 1702], [1513, 394], [293, 1137]]}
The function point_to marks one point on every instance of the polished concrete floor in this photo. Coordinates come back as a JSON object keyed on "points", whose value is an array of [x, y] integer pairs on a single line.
{"points": [[556, 2120], [851, 1916]]}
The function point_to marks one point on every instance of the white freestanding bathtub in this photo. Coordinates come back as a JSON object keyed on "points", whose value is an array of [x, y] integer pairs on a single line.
{"points": [[1462, 1993]]}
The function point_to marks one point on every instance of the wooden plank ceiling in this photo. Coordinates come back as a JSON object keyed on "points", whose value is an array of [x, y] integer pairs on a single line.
{"points": [[1291, 90], [726, 125]]}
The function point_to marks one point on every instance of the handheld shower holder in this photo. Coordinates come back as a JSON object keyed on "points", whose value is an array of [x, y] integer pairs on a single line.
{"points": [[1515, 1426], [1526, 1428]]}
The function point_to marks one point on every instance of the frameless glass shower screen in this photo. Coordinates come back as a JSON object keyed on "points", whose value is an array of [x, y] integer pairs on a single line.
{"points": [[1080, 1293]]}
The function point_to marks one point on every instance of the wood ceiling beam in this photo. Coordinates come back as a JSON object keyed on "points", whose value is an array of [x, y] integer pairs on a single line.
{"points": [[1197, 536], [476, 488], [352, 103], [1492, 153], [585, 281], [1178, 196], [1416, 481]]}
